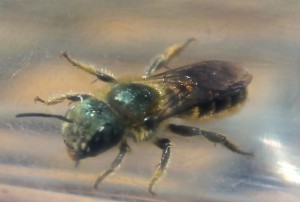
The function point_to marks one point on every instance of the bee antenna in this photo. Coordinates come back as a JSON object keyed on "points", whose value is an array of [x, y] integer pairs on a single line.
{"points": [[60, 117]]}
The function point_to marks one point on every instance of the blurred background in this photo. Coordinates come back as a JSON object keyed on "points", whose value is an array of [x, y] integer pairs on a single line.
{"points": [[122, 37]]}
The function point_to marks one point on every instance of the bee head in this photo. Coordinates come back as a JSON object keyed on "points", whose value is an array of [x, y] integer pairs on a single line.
{"points": [[94, 129]]}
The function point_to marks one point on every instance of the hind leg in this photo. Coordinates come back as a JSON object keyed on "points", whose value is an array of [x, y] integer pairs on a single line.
{"points": [[163, 59], [211, 136]]}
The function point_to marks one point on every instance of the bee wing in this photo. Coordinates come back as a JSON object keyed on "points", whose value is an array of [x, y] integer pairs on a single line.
{"points": [[191, 85]]}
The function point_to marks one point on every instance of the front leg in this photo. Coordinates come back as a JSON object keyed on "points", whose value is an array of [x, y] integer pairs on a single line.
{"points": [[165, 145], [211, 136], [61, 98], [124, 148]]}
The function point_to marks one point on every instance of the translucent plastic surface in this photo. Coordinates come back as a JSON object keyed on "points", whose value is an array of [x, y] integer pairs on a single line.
{"points": [[122, 37]]}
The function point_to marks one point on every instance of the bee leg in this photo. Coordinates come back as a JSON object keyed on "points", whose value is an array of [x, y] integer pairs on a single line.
{"points": [[211, 136], [163, 59], [59, 99], [89, 69], [165, 145], [124, 148]]}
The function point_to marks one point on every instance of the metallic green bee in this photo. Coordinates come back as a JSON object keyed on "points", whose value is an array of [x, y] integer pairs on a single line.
{"points": [[135, 109]]}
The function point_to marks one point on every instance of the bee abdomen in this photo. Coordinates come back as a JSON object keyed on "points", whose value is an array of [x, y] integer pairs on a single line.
{"points": [[221, 104]]}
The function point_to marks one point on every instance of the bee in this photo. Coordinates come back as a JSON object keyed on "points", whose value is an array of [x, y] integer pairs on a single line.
{"points": [[135, 109]]}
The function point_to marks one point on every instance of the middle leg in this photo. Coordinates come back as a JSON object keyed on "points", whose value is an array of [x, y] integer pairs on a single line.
{"points": [[89, 69], [165, 145]]}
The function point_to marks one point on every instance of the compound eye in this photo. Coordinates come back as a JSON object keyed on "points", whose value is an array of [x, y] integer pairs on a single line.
{"points": [[103, 134], [102, 140], [150, 122], [106, 129]]}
